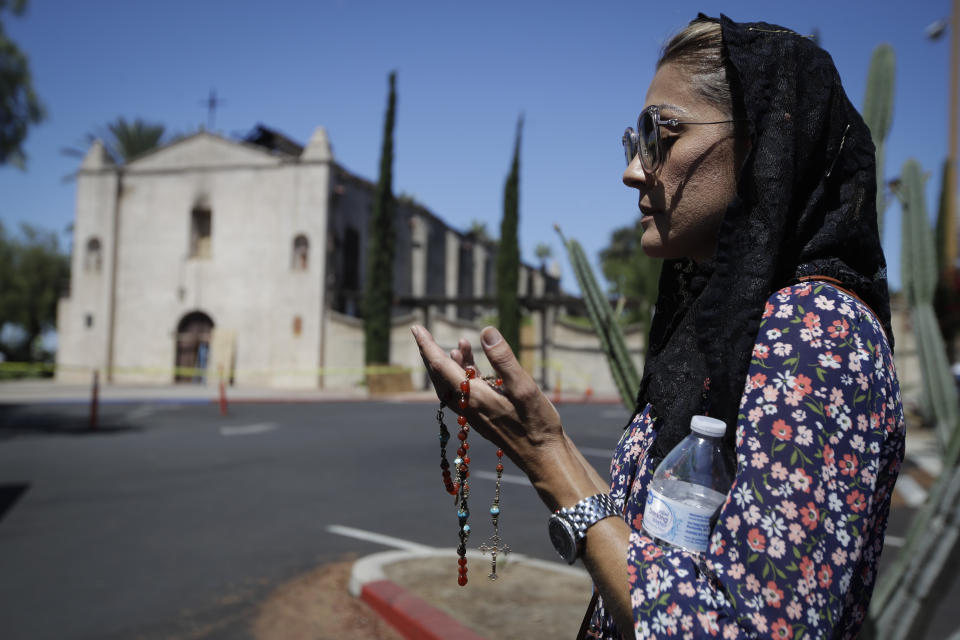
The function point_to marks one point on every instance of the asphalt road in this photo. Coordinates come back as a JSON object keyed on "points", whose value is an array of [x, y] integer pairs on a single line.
{"points": [[173, 520]]}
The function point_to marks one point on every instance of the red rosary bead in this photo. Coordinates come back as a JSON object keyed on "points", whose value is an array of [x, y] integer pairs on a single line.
{"points": [[462, 435], [499, 453], [471, 373], [465, 386], [466, 445], [462, 581], [461, 420], [466, 459], [499, 382], [462, 403], [462, 562], [499, 467]]}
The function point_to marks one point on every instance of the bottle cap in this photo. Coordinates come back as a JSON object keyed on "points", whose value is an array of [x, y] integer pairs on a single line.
{"points": [[708, 426]]}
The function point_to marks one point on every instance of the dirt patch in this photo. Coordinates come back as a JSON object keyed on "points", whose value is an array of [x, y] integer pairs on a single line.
{"points": [[317, 606], [525, 602]]}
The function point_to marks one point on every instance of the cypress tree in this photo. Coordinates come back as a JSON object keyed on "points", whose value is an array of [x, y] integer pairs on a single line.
{"points": [[508, 253], [378, 285]]}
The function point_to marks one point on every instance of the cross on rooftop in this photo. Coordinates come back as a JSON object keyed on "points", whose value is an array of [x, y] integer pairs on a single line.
{"points": [[212, 102]]}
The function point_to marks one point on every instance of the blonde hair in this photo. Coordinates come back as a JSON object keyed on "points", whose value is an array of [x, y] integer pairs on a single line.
{"points": [[698, 49]]}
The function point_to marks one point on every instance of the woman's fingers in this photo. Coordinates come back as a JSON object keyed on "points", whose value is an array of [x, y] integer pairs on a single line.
{"points": [[517, 383], [466, 350], [442, 370]]}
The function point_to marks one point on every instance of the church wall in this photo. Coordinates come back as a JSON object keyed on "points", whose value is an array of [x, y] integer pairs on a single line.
{"points": [[350, 211], [576, 361], [300, 294], [82, 348], [418, 256], [436, 257], [403, 254], [246, 286], [451, 271]]}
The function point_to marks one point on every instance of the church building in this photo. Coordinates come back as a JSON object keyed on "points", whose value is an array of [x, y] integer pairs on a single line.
{"points": [[246, 258]]}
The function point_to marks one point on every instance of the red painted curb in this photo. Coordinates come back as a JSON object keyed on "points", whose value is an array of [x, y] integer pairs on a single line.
{"points": [[411, 616]]}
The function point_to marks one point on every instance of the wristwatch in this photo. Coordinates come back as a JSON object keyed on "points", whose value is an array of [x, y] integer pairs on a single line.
{"points": [[568, 527]]}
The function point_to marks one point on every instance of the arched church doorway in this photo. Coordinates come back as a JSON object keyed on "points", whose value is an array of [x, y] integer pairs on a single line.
{"points": [[193, 347]]}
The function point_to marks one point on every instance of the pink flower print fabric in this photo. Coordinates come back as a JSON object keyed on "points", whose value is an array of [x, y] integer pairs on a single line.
{"points": [[820, 441]]}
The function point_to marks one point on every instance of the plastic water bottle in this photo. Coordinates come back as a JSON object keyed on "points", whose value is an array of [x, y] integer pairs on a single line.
{"points": [[689, 487]]}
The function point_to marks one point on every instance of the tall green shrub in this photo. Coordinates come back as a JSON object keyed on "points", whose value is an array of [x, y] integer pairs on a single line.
{"points": [[378, 283], [508, 253]]}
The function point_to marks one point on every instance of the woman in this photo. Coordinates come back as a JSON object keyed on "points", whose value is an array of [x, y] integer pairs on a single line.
{"points": [[757, 185]]}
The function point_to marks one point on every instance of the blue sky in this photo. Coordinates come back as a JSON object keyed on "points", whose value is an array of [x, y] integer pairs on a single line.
{"points": [[577, 70]]}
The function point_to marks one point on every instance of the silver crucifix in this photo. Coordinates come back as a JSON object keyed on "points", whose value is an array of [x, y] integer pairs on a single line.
{"points": [[496, 546]]}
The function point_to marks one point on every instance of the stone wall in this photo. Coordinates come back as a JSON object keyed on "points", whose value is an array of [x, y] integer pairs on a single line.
{"points": [[575, 362]]}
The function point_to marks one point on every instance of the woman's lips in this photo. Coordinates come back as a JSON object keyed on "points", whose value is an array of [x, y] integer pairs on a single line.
{"points": [[646, 215]]}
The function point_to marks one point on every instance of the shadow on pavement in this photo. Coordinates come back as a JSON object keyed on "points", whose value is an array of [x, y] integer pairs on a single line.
{"points": [[9, 494], [27, 420]]}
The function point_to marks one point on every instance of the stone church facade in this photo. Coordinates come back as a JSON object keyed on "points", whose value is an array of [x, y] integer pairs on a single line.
{"points": [[213, 256]]}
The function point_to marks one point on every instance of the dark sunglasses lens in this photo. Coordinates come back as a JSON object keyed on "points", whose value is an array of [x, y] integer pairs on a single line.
{"points": [[629, 144], [647, 132]]}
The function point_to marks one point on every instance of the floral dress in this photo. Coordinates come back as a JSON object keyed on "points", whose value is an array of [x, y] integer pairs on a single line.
{"points": [[820, 440]]}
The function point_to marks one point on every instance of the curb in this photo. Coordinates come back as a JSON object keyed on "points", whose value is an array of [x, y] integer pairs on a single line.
{"points": [[412, 617]]}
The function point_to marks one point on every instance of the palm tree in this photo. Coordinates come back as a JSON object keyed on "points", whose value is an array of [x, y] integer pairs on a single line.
{"points": [[124, 140], [127, 140], [543, 253]]}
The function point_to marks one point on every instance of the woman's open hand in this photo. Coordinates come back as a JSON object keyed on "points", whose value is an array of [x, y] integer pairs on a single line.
{"points": [[521, 421]]}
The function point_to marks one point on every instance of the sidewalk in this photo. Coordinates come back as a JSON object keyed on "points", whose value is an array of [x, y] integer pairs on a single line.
{"points": [[33, 391], [417, 593]]}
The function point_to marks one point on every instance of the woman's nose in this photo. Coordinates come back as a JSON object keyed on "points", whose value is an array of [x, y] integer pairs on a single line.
{"points": [[634, 176]]}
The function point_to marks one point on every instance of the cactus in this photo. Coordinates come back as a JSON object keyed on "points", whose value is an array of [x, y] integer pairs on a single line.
{"points": [[878, 114], [898, 601], [920, 272], [604, 322]]}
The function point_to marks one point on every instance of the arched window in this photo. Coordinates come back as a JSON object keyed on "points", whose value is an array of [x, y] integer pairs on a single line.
{"points": [[301, 253], [93, 258], [200, 227]]}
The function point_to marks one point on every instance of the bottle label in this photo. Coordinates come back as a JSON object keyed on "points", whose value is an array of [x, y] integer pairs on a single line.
{"points": [[678, 523]]}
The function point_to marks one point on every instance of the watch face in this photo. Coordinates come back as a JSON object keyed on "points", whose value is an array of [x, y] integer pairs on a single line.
{"points": [[563, 538]]}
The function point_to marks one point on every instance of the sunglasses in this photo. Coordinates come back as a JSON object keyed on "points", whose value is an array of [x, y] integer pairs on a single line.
{"points": [[646, 142]]}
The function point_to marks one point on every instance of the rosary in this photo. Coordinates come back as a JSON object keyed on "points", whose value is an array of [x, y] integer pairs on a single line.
{"points": [[460, 487]]}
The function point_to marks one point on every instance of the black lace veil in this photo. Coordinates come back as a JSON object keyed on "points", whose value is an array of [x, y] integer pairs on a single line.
{"points": [[805, 205]]}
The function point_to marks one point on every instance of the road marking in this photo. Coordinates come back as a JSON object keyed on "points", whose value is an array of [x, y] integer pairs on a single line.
{"points": [[377, 538], [490, 475], [141, 412], [911, 491], [248, 429], [596, 453]]}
